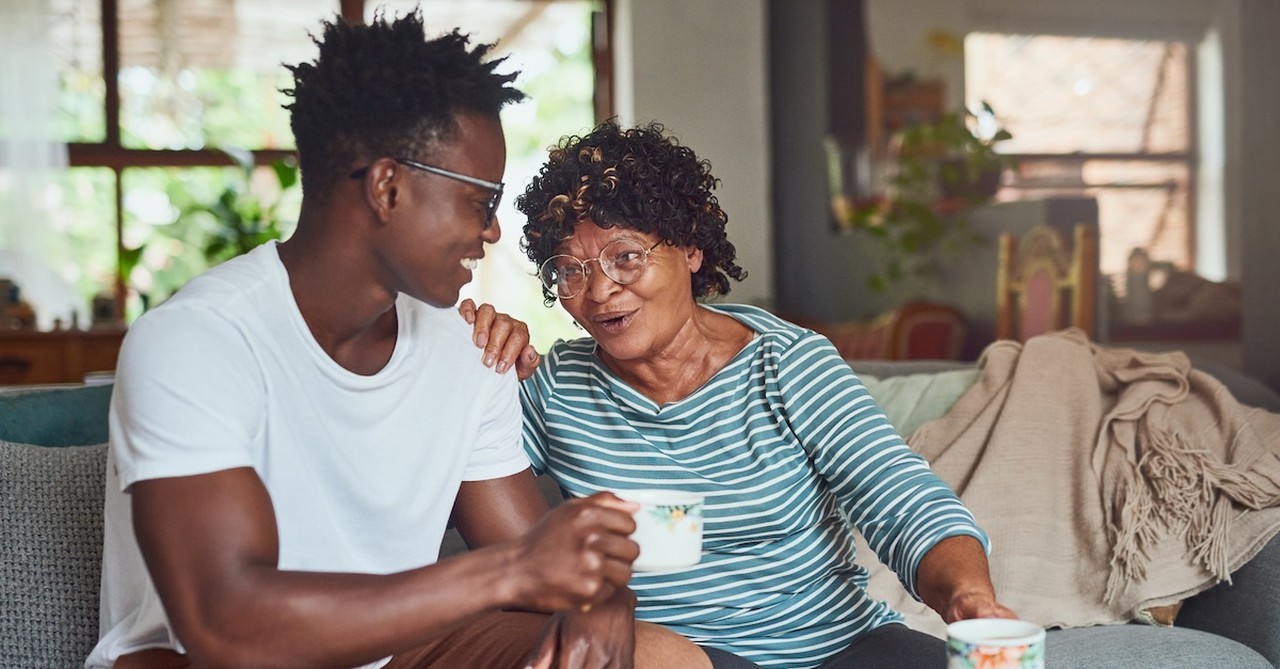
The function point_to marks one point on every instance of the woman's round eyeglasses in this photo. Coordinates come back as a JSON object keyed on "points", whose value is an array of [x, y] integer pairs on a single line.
{"points": [[622, 260]]}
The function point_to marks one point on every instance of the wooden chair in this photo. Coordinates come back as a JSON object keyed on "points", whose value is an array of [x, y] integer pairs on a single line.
{"points": [[1042, 285], [916, 330]]}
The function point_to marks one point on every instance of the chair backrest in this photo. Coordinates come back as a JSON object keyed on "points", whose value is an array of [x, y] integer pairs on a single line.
{"points": [[1043, 284]]}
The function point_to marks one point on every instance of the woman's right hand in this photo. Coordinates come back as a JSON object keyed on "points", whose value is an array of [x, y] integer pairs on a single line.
{"points": [[505, 339]]}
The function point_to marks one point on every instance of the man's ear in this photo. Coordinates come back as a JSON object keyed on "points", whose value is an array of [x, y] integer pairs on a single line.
{"points": [[381, 190]]}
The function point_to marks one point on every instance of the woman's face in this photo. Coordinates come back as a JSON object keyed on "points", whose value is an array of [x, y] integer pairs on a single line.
{"points": [[635, 321]]}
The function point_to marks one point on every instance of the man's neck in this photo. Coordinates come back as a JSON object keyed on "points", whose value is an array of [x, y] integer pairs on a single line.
{"points": [[349, 313]]}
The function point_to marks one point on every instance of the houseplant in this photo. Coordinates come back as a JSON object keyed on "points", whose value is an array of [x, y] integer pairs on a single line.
{"points": [[216, 215], [242, 219], [936, 172]]}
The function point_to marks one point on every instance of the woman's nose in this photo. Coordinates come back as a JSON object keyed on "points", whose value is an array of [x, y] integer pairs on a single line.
{"points": [[599, 285]]}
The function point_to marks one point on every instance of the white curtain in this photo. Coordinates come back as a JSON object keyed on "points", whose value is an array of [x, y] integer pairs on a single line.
{"points": [[30, 159]]}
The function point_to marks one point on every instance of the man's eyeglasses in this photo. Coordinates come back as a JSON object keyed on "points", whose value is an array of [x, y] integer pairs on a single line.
{"points": [[622, 260], [491, 207]]}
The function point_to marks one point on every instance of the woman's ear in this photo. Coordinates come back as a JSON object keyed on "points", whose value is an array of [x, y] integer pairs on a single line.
{"points": [[693, 256]]}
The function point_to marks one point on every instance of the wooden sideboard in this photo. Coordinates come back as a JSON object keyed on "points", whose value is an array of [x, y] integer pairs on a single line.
{"points": [[60, 356]]}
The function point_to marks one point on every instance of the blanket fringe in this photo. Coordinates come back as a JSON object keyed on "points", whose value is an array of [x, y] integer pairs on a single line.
{"points": [[1187, 487]]}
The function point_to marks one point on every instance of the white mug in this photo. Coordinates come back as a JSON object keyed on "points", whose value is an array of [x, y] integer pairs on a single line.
{"points": [[668, 528], [995, 643]]}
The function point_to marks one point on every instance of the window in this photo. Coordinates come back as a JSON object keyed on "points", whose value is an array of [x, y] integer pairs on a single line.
{"points": [[1107, 118], [159, 101]]}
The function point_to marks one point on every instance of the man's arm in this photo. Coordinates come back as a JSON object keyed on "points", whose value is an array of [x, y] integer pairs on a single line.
{"points": [[496, 511], [602, 635], [211, 546]]}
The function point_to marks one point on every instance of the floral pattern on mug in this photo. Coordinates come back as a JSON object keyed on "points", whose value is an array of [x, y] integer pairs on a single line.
{"points": [[678, 516], [976, 656]]}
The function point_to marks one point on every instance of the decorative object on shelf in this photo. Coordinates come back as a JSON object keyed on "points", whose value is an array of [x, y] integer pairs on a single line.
{"points": [[935, 172], [15, 312]]}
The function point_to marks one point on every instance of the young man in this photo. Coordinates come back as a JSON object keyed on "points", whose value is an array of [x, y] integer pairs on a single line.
{"points": [[292, 431]]}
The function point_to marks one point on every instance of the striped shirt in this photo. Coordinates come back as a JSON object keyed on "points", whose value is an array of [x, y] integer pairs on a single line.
{"points": [[786, 444]]}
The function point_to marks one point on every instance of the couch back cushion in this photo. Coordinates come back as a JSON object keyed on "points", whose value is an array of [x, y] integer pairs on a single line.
{"points": [[911, 400], [51, 566], [55, 417]]}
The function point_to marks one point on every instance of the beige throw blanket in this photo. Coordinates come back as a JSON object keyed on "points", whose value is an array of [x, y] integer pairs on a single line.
{"points": [[1111, 481]]}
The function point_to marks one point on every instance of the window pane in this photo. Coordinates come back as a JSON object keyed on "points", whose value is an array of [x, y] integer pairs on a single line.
{"points": [[77, 48], [1066, 94], [208, 73], [77, 250], [176, 219], [1141, 203]]}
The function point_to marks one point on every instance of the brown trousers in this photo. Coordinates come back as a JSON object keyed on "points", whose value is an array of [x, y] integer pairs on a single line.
{"points": [[493, 641]]}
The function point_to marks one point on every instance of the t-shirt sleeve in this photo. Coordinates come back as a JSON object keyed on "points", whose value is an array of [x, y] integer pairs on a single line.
{"points": [[187, 397], [886, 490], [497, 451]]}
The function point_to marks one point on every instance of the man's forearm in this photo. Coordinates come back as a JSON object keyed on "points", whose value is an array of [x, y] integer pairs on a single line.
{"points": [[279, 618]]}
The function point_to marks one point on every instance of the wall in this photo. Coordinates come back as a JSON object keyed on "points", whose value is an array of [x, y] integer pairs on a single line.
{"points": [[699, 69], [1254, 144]]}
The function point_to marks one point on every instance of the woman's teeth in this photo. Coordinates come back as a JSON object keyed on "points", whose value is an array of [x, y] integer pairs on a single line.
{"points": [[470, 263]]}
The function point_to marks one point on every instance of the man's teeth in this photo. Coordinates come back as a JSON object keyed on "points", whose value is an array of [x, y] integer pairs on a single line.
{"points": [[470, 263]]}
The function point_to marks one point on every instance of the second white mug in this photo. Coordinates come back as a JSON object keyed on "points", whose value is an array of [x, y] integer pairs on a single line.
{"points": [[668, 528]]}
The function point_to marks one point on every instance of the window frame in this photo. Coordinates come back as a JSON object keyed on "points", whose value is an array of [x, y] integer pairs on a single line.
{"points": [[1190, 157], [111, 154]]}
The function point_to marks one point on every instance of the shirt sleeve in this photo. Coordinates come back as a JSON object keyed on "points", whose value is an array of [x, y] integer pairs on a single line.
{"points": [[885, 489], [534, 393], [497, 451], [187, 397]]}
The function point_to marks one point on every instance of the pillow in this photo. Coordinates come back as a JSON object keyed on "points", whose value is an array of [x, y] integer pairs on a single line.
{"points": [[51, 506], [911, 400]]}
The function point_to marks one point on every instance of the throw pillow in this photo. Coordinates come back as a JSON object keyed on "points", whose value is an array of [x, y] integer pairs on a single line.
{"points": [[911, 400], [51, 557]]}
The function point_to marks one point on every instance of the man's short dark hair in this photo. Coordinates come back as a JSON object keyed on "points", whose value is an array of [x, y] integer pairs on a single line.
{"points": [[384, 90]]}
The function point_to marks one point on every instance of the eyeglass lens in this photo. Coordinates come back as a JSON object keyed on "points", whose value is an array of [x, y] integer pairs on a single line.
{"points": [[622, 260], [492, 211]]}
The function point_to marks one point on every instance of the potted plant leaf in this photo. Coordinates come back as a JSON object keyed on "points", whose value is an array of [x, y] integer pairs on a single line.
{"points": [[243, 220], [937, 172]]}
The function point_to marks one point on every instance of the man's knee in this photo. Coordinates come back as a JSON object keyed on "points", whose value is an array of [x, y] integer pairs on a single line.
{"points": [[503, 639]]}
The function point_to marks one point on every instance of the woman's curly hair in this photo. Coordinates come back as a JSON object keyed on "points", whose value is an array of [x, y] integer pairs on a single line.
{"points": [[384, 90], [640, 179]]}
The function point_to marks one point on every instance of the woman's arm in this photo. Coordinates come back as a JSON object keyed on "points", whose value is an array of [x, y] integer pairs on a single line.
{"points": [[954, 580]]}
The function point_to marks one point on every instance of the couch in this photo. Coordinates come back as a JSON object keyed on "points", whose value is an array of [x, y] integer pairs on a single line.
{"points": [[52, 459]]}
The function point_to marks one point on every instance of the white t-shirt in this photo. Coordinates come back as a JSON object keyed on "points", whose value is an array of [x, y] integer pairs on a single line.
{"points": [[362, 470]]}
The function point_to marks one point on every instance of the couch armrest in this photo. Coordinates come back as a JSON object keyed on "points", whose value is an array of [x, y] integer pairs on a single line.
{"points": [[1247, 609]]}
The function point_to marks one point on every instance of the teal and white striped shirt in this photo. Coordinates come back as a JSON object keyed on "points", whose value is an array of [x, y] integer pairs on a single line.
{"points": [[785, 442]]}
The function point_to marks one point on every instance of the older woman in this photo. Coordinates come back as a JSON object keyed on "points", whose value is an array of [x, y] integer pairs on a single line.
{"points": [[760, 415]]}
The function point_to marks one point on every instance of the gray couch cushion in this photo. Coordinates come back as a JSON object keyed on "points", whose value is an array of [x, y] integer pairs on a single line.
{"points": [[1247, 609], [50, 554], [1146, 647]]}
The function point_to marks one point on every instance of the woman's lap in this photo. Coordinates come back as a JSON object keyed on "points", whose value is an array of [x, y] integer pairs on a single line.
{"points": [[890, 647], [887, 647]]}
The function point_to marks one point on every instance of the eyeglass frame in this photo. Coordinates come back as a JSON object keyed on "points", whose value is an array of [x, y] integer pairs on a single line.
{"points": [[600, 261], [491, 207]]}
